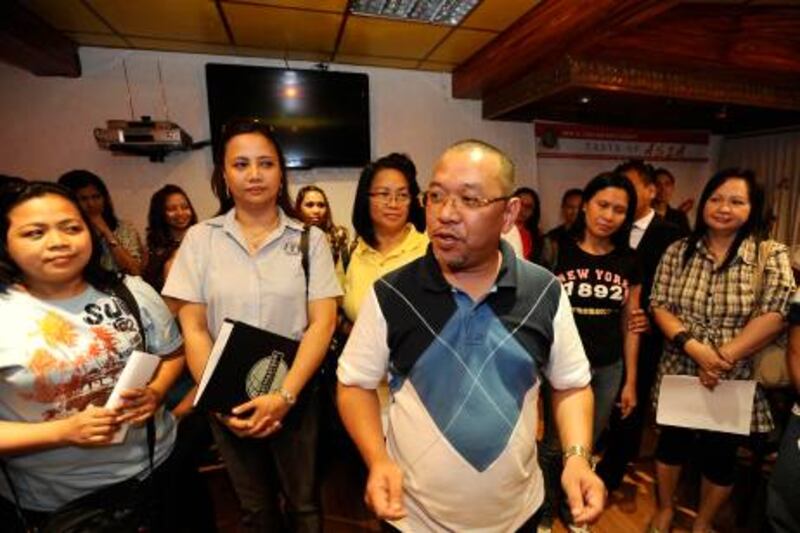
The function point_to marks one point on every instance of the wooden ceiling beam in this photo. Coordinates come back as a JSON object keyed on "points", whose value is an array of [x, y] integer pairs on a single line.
{"points": [[757, 40], [30, 43], [546, 33], [640, 79]]}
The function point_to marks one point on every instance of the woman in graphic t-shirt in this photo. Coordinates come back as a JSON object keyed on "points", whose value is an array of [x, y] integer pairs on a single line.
{"points": [[602, 279], [67, 335]]}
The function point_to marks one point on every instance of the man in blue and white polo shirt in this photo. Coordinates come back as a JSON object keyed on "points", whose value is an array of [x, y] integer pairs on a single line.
{"points": [[467, 334]]}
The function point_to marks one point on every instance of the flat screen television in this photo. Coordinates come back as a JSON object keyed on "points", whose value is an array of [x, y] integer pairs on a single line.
{"points": [[320, 118]]}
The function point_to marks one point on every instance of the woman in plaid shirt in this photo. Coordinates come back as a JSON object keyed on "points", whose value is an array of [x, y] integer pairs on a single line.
{"points": [[704, 301]]}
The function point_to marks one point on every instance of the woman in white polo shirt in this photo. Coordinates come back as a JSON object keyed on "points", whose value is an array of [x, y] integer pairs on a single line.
{"points": [[245, 264]]}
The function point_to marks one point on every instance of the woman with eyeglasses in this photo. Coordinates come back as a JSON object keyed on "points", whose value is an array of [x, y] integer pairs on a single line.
{"points": [[602, 278], [389, 221], [246, 264], [313, 208]]}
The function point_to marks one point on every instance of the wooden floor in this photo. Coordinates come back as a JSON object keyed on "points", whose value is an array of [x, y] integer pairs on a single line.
{"points": [[629, 509]]}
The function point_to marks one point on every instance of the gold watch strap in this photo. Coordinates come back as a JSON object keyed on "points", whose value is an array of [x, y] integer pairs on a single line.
{"points": [[581, 451]]}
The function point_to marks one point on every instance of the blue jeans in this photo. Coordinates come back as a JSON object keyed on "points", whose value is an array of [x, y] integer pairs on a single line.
{"points": [[606, 381], [783, 494]]}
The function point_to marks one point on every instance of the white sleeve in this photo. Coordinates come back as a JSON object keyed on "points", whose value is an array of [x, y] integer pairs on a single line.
{"points": [[514, 238], [184, 281], [568, 367], [161, 330], [322, 281], [365, 359]]}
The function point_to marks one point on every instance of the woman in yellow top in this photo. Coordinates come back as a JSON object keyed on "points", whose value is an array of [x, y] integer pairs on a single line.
{"points": [[389, 222]]}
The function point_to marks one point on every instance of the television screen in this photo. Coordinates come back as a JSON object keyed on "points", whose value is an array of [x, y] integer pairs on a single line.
{"points": [[320, 118]]}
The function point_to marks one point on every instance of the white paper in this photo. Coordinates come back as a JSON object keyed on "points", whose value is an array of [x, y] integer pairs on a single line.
{"points": [[213, 358], [684, 402], [137, 373]]}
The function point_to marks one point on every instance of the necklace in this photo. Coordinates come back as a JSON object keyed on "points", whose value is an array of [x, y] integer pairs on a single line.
{"points": [[256, 238]]}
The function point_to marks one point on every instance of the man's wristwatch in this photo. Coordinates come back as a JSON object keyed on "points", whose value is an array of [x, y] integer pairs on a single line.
{"points": [[680, 339], [581, 451], [287, 396]]}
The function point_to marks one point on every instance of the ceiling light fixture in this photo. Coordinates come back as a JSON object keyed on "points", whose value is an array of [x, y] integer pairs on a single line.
{"points": [[449, 12]]}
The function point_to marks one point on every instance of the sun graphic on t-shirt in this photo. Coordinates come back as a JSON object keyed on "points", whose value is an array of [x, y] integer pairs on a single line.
{"points": [[56, 331]]}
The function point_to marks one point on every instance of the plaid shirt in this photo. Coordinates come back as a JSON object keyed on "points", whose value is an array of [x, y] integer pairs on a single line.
{"points": [[715, 304]]}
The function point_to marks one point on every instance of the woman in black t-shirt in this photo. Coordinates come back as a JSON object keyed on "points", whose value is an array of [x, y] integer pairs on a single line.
{"points": [[601, 276]]}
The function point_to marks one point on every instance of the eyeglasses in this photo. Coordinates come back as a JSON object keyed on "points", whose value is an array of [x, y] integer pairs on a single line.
{"points": [[386, 197], [438, 198]]}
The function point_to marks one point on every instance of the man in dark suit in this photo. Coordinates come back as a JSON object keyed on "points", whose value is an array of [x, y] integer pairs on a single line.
{"points": [[665, 186], [650, 237]]}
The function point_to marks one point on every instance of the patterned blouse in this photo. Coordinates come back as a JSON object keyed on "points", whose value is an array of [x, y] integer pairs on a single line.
{"points": [[128, 238], [715, 304]]}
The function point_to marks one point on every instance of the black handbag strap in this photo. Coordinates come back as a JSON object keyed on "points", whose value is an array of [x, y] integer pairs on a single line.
{"points": [[304, 255]]}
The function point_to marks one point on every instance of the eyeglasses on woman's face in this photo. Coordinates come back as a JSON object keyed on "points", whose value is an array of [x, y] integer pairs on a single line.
{"points": [[386, 197]]}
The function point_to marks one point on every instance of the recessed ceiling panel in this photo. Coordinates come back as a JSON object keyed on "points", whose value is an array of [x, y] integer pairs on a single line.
{"points": [[370, 36], [67, 15], [497, 15], [460, 45], [191, 20], [282, 29], [337, 6]]}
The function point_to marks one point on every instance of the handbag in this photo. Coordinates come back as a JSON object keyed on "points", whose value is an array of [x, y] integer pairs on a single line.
{"points": [[770, 368], [124, 507]]}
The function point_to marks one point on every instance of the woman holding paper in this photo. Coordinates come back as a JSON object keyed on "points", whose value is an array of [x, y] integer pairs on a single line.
{"points": [[246, 265], [705, 303], [68, 331]]}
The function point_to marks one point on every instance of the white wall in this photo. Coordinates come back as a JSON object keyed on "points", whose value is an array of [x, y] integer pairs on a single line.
{"points": [[47, 125], [555, 176]]}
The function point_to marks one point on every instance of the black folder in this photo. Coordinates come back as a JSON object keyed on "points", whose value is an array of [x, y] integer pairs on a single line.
{"points": [[245, 362]]}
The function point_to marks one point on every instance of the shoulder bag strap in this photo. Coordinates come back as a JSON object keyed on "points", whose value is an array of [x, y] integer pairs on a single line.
{"points": [[763, 250], [304, 255]]}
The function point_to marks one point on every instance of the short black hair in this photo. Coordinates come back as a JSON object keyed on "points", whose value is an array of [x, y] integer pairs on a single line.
{"points": [[661, 171], [12, 196], [640, 167], [362, 221], [569, 193]]}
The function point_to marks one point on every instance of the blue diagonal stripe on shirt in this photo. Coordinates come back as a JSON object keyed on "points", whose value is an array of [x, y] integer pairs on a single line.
{"points": [[474, 395]]}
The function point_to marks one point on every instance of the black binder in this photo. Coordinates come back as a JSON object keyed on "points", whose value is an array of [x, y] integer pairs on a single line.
{"points": [[245, 362]]}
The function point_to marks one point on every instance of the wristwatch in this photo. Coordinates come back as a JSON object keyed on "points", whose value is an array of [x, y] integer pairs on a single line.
{"points": [[680, 339], [287, 396]]}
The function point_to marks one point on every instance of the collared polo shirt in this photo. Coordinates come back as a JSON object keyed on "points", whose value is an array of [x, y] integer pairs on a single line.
{"points": [[464, 377], [367, 264], [266, 289]]}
